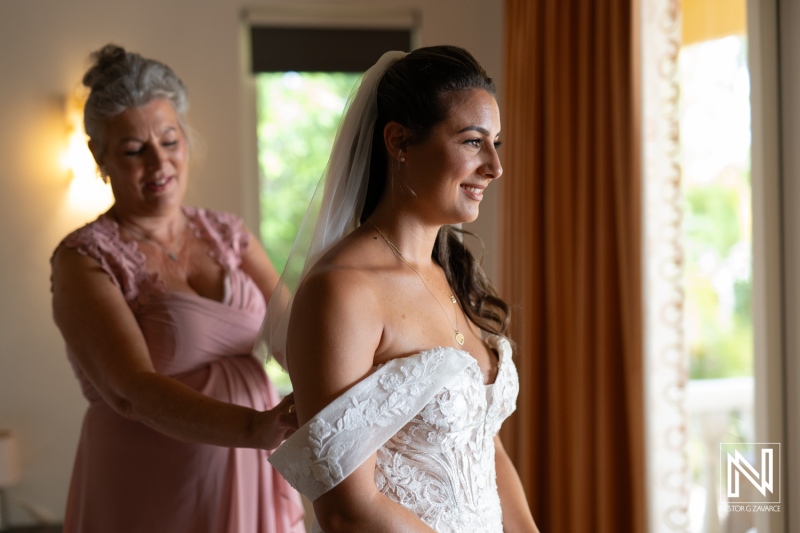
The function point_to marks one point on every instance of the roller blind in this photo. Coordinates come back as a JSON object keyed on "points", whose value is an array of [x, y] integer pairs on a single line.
{"points": [[307, 49]]}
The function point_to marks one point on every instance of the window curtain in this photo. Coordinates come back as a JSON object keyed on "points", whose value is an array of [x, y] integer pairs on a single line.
{"points": [[572, 261]]}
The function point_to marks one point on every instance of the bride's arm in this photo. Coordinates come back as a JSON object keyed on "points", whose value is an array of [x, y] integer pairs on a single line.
{"points": [[336, 326], [516, 513], [356, 505]]}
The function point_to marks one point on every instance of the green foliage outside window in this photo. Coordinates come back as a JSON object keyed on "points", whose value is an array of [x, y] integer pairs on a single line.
{"points": [[718, 280], [298, 115], [715, 138]]}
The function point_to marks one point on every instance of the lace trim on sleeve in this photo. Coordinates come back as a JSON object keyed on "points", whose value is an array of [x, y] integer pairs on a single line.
{"points": [[330, 446], [122, 261], [224, 232]]}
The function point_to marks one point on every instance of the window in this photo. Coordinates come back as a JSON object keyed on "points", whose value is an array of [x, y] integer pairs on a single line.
{"points": [[699, 256], [303, 77], [298, 115], [715, 135]]}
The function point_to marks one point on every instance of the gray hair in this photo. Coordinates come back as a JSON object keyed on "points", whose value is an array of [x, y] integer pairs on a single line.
{"points": [[121, 80]]}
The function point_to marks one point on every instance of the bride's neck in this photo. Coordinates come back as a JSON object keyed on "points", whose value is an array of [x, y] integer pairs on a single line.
{"points": [[412, 237]]}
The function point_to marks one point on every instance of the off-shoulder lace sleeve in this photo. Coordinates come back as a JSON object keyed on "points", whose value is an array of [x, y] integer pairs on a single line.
{"points": [[330, 446]]}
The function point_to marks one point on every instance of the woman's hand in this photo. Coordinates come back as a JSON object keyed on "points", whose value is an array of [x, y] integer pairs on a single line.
{"points": [[109, 347], [278, 424]]}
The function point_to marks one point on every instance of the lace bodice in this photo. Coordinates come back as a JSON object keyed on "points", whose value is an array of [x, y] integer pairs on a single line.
{"points": [[432, 422]]}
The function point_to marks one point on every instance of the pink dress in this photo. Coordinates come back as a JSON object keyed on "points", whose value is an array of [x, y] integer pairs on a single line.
{"points": [[129, 478]]}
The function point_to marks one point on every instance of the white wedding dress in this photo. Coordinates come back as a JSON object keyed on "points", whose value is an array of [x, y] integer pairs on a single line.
{"points": [[432, 422]]}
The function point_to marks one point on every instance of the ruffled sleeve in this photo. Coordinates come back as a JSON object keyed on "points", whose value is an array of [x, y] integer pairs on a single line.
{"points": [[122, 261], [330, 446], [224, 232]]}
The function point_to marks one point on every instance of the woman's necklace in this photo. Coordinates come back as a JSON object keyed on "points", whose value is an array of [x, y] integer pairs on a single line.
{"points": [[169, 253], [459, 336]]}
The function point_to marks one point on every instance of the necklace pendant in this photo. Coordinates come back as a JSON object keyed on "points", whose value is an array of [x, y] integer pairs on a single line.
{"points": [[173, 256], [453, 299], [459, 338]]}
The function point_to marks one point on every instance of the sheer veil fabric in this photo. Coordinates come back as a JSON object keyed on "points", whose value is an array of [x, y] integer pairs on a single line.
{"points": [[335, 207]]}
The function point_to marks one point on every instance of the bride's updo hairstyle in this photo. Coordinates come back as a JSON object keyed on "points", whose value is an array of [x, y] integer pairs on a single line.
{"points": [[417, 91], [120, 80]]}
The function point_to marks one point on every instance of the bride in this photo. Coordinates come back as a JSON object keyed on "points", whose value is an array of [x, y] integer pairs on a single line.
{"points": [[394, 339]]}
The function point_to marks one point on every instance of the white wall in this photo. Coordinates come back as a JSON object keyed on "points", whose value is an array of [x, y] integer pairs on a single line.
{"points": [[44, 47]]}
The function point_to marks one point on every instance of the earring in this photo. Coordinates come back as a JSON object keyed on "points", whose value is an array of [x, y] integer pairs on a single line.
{"points": [[402, 159]]}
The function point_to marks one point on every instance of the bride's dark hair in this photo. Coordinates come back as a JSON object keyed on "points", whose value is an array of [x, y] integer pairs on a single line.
{"points": [[417, 92]]}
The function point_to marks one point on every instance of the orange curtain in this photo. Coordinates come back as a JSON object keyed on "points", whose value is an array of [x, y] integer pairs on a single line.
{"points": [[572, 266]]}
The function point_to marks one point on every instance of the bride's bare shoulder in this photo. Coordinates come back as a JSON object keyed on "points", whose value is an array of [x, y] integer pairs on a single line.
{"points": [[357, 256], [359, 248], [341, 299], [349, 270]]}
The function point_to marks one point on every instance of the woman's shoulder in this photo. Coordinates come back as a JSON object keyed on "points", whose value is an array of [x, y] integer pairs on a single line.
{"points": [[344, 281], [211, 217], [101, 230], [99, 240], [338, 282], [357, 252], [219, 225], [354, 262]]}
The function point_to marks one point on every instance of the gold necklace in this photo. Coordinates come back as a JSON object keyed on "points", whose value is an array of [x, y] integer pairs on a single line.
{"points": [[172, 255], [396, 251]]}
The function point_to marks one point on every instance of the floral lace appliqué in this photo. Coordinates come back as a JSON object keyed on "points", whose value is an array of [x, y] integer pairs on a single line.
{"points": [[431, 421], [387, 402]]}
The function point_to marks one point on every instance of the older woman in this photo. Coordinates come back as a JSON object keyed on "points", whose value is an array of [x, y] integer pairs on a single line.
{"points": [[159, 304], [407, 377]]}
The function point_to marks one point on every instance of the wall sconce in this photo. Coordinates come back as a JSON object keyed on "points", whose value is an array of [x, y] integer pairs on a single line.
{"points": [[9, 471], [87, 192]]}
